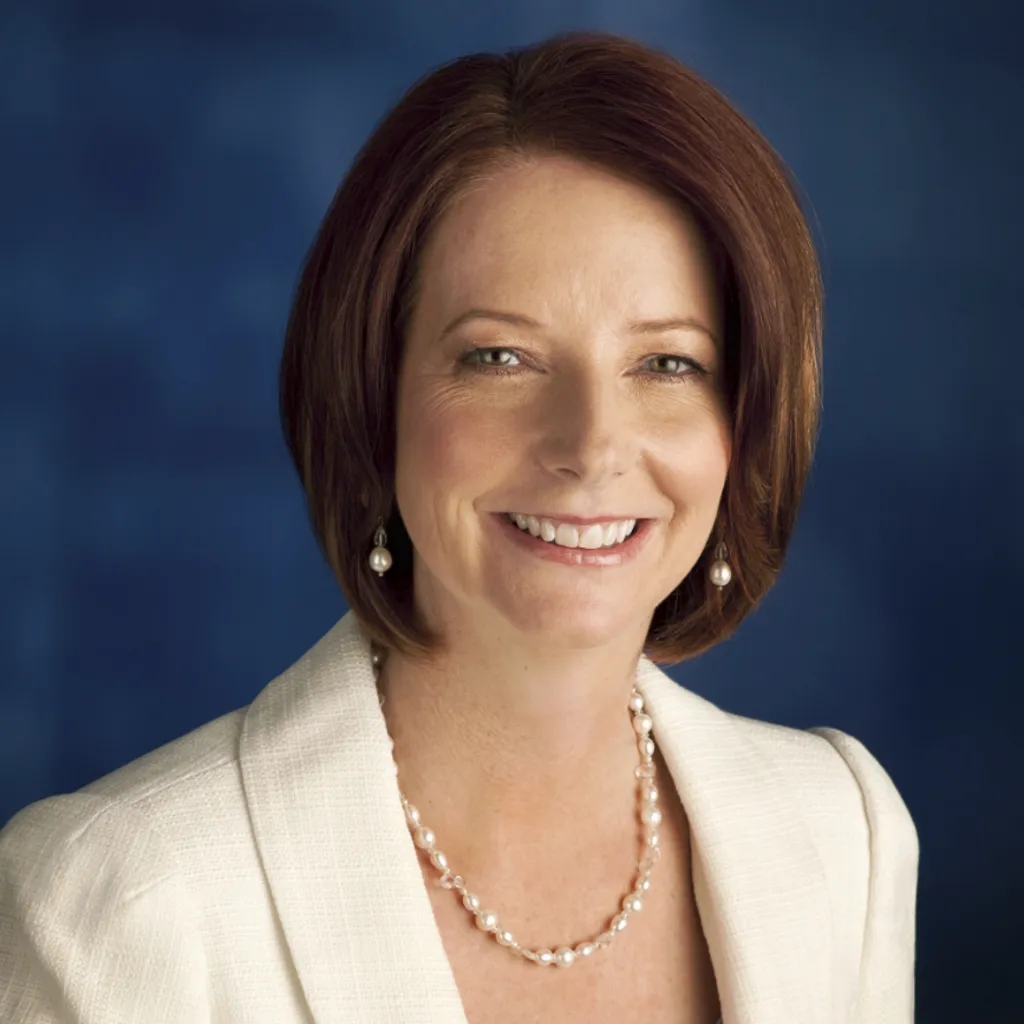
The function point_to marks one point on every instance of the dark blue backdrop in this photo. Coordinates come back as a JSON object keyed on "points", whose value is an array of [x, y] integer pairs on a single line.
{"points": [[166, 164]]}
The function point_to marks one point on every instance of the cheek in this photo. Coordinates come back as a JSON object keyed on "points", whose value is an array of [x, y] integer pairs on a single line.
{"points": [[711, 463], [448, 455], [447, 445], [695, 462]]}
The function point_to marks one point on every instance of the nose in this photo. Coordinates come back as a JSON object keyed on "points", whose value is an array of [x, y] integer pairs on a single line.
{"points": [[589, 434]]}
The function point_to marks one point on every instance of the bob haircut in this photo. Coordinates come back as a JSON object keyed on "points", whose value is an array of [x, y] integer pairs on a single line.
{"points": [[632, 111]]}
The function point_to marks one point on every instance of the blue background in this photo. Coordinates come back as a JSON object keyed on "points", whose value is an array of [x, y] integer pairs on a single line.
{"points": [[165, 166]]}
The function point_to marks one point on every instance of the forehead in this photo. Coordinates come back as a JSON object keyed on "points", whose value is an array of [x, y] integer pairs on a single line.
{"points": [[555, 224]]}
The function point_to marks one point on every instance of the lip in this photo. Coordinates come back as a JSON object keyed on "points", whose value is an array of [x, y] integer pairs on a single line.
{"points": [[621, 554]]}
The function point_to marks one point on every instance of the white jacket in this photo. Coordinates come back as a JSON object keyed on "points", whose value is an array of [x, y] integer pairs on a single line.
{"points": [[259, 869]]}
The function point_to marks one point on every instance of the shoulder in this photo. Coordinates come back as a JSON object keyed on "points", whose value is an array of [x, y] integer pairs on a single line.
{"points": [[856, 816], [124, 823], [837, 777], [181, 763], [189, 791], [70, 842], [885, 810], [107, 872], [869, 849], [94, 912]]}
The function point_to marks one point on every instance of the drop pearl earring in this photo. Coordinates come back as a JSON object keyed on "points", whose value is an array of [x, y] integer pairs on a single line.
{"points": [[720, 572], [380, 557]]}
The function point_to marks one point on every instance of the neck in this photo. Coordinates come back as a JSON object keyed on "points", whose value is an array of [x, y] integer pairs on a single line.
{"points": [[506, 752]]}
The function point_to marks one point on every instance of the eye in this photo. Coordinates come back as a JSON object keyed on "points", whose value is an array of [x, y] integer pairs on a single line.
{"points": [[677, 367], [479, 358], [498, 359]]}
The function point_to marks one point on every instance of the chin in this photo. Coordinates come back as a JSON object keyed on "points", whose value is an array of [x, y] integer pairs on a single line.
{"points": [[577, 622]]}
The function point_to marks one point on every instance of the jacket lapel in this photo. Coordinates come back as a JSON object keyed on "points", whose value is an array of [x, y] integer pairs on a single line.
{"points": [[759, 883], [340, 863], [344, 874]]}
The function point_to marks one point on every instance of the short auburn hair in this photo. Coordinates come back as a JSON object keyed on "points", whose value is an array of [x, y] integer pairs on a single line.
{"points": [[639, 113]]}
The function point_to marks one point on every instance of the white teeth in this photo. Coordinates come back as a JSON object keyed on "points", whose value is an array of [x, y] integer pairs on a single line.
{"points": [[596, 535], [567, 536]]}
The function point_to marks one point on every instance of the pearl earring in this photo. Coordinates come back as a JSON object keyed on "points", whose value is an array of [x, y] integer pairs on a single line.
{"points": [[380, 557], [720, 572]]}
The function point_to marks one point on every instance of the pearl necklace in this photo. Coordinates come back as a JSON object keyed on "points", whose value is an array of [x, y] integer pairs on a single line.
{"points": [[632, 903]]}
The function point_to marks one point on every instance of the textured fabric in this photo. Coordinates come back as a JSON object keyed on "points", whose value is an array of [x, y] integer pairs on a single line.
{"points": [[260, 869]]}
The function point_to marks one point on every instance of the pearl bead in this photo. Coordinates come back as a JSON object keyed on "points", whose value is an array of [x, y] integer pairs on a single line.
{"points": [[642, 724], [636, 703], [424, 839], [645, 884], [487, 921], [720, 573], [653, 840], [585, 949], [605, 938], [649, 792], [619, 923], [646, 747], [633, 904], [380, 560], [506, 938], [650, 815], [565, 957], [545, 957], [471, 902], [412, 814], [439, 860]]}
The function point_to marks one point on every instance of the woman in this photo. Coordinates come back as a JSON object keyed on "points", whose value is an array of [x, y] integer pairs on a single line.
{"points": [[551, 385]]}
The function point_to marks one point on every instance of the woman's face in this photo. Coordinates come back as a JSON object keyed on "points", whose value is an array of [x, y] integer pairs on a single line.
{"points": [[528, 385]]}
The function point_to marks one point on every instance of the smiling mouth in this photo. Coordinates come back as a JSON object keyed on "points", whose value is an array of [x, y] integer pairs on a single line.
{"points": [[593, 536]]}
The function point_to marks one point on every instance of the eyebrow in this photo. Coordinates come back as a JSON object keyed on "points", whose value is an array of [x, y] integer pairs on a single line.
{"points": [[679, 323]]}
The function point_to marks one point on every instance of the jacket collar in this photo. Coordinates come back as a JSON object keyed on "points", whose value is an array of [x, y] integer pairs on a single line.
{"points": [[321, 787]]}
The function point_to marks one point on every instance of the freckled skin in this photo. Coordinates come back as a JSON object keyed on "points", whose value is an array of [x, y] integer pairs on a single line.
{"points": [[592, 420]]}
